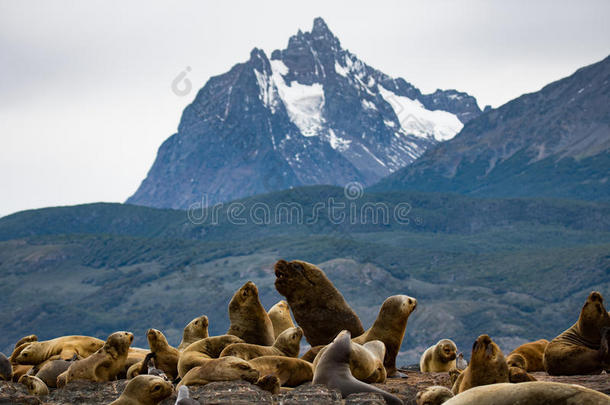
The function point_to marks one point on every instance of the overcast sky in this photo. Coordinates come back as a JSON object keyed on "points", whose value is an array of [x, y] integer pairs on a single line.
{"points": [[85, 86]]}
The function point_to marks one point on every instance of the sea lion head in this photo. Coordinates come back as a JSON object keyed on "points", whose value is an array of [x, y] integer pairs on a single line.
{"points": [[117, 344], [289, 341], [248, 293], [340, 349], [516, 360], [197, 328], [593, 317], [484, 349], [434, 395], [156, 339], [233, 368], [270, 383], [296, 275], [29, 354], [149, 389], [397, 308], [446, 350]]}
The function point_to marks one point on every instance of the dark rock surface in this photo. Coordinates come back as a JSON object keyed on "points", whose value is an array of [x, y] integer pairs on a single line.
{"points": [[239, 392]]}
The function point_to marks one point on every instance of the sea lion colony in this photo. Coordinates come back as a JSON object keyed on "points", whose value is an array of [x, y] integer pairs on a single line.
{"points": [[263, 350]]}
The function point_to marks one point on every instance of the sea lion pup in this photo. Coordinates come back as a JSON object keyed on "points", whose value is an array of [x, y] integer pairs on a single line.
{"points": [[390, 327], [34, 385], [248, 318], [333, 371], [270, 383], [487, 366], [433, 395], [528, 356], [291, 371], [166, 357], [196, 329], [460, 362], [223, 369], [280, 317], [287, 344], [6, 369], [49, 372], [64, 347], [103, 365], [530, 393], [439, 358], [583, 348], [145, 390], [318, 307], [365, 361], [184, 397], [209, 348]]}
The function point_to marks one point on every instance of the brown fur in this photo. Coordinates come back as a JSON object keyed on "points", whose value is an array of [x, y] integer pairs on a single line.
{"points": [[134, 356], [196, 329], [439, 358], [287, 344], [51, 370], [34, 385], [487, 366], [390, 327], [270, 383], [318, 307], [64, 347], [103, 365], [583, 348], [280, 318], [291, 371], [166, 357], [224, 369], [434, 395], [528, 356], [145, 390], [365, 361], [209, 348], [248, 318]]}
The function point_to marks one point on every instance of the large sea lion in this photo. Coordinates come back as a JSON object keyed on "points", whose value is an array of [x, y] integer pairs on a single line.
{"points": [[196, 329], [333, 371], [291, 371], [487, 366], [103, 365], [530, 393], [145, 390], [433, 395], [365, 361], [280, 317], [248, 318], [318, 307], [223, 369], [209, 348], [287, 344], [390, 327], [6, 369], [528, 356], [166, 357], [34, 385], [584, 347], [439, 358], [64, 347]]}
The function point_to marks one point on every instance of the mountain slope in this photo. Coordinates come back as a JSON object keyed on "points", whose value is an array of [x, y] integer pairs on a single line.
{"points": [[311, 114], [555, 142]]}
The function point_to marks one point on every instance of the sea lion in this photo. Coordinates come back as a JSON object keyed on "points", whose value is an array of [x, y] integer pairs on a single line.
{"points": [[333, 371], [209, 348], [270, 383], [584, 347], [6, 369], [166, 357], [439, 358], [184, 397], [103, 365], [390, 327], [51, 370], [34, 385], [146, 367], [223, 369], [528, 356], [135, 356], [145, 390], [487, 366], [433, 395], [196, 329], [291, 371], [365, 361], [280, 317], [530, 393], [287, 344], [460, 362], [318, 307], [248, 318], [26, 339], [64, 347]]}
